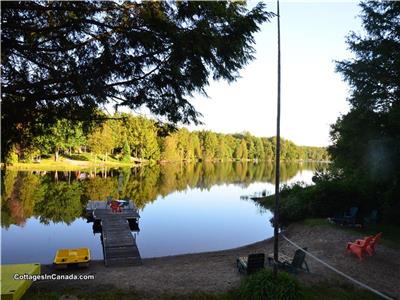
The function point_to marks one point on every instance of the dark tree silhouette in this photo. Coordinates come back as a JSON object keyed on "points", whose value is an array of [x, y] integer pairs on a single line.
{"points": [[65, 59], [366, 141]]}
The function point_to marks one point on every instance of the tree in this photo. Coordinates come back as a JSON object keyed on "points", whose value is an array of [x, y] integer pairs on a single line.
{"points": [[251, 150], [100, 141], [210, 144], [126, 152], [374, 78], [269, 154], [259, 149], [67, 59], [63, 135], [366, 141], [241, 152], [195, 145], [169, 148]]}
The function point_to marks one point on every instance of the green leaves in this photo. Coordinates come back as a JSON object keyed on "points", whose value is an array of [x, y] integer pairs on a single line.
{"points": [[264, 286], [68, 59]]}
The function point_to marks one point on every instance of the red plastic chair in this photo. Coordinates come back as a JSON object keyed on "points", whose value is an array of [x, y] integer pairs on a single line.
{"points": [[115, 206], [359, 248], [371, 246]]}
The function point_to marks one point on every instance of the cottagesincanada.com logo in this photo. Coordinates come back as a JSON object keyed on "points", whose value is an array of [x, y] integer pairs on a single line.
{"points": [[38, 277]]}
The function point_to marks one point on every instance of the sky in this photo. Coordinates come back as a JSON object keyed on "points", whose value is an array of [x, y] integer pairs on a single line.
{"points": [[313, 95]]}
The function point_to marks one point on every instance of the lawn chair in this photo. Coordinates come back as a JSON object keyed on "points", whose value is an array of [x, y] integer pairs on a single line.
{"points": [[346, 219], [372, 218], [292, 265], [250, 264], [359, 248], [115, 207], [371, 247], [351, 217]]}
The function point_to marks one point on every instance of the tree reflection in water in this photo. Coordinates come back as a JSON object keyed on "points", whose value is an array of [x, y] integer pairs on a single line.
{"points": [[62, 196]]}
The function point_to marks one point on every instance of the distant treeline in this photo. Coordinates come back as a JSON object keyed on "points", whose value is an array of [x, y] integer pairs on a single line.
{"points": [[125, 137]]}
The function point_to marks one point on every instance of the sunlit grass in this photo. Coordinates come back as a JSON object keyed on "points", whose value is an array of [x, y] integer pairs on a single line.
{"points": [[80, 162]]}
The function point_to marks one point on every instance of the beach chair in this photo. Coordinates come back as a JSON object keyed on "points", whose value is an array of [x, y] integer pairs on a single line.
{"points": [[370, 249], [346, 219], [251, 264], [372, 218], [115, 207], [359, 248], [292, 265], [350, 219]]}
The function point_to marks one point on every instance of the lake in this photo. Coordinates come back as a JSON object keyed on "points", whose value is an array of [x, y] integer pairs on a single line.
{"points": [[184, 208]]}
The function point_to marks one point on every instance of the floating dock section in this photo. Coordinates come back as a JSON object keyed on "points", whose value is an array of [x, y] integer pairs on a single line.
{"points": [[12, 289]]}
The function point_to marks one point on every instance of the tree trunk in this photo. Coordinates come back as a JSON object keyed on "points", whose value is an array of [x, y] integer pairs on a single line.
{"points": [[56, 155]]}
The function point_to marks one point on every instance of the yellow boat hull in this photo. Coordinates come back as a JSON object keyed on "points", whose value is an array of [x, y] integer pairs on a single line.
{"points": [[78, 256]]}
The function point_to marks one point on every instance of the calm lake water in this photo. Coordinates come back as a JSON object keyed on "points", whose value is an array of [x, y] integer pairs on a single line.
{"points": [[184, 208]]}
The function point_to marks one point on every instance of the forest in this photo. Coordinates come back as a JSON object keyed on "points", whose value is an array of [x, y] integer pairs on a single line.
{"points": [[128, 138]]}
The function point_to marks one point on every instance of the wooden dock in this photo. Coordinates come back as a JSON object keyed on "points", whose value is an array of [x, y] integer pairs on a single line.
{"points": [[119, 245]]}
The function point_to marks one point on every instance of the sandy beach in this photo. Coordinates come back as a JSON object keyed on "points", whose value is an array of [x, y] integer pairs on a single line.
{"points": [[214, 272]]}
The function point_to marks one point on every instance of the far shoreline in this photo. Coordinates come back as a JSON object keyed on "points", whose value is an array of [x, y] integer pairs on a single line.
{"points": [[76, 165]]}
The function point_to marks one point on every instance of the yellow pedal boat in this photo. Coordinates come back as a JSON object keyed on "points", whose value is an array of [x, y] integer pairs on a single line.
{"points": [[65, 257]]}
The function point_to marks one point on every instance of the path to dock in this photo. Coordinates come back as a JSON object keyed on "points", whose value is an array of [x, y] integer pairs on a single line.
{"points": [[119, 246]]}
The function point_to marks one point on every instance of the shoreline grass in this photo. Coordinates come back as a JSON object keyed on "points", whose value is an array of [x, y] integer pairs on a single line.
{"points": [[66, 164]]}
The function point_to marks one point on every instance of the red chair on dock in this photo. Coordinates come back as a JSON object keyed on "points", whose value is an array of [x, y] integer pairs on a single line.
{"points": [[115, 207], [360, 248]]}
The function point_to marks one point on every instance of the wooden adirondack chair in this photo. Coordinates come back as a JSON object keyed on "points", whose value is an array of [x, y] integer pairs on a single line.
{"points": [[346, 219], [115, 207], [292, 265], [250, 264], [350, 219], [372, 218], [359, 248], [370, 248]]}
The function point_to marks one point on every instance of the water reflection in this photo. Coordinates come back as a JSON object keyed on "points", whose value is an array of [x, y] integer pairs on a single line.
{"points": [[60, 197]]}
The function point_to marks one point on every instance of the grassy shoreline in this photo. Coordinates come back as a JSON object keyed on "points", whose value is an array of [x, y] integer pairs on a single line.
{"points": [[65, 164]]}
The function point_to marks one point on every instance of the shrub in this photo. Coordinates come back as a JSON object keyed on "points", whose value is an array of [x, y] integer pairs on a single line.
{"points": [[126, 151], [264, 286]]}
